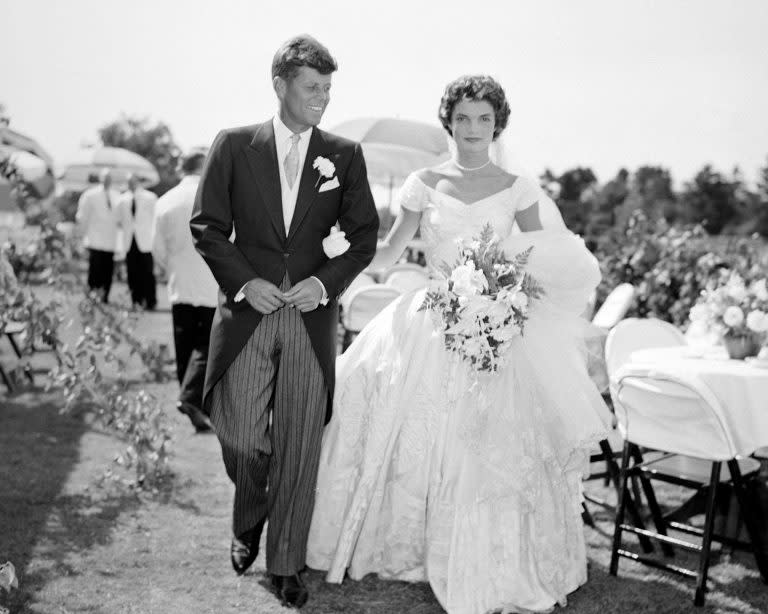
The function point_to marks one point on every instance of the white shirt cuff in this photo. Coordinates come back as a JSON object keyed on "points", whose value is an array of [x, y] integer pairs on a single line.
{"points": [[324, 300], [240, 295]]}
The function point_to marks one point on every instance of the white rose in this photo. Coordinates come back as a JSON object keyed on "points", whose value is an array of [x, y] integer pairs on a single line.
{"points": [[760, 290], [520, 301], [757, 321], [335, 244], [468, 281], [699, 313], [733, 316], [737, 291], [502, 335]]}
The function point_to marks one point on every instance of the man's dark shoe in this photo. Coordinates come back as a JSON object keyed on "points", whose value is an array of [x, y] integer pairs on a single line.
{"points": [[198, 419], [291, 590], [245, 549]]}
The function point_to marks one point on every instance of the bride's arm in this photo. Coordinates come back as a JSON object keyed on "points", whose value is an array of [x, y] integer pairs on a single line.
{"points": [[392, 247], [528, 219]]}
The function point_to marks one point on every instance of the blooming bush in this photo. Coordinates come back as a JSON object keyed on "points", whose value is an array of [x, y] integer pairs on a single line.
{"points": [[671, 266], [481, 303], [136, 418]]}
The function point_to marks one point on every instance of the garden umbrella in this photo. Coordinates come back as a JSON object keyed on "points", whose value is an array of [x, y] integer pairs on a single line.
{"points": [[90, 161], [395, 147], [32, 163]]}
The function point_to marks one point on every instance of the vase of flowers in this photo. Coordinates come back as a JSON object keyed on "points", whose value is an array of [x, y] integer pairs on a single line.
{"points": [[737, 310]]}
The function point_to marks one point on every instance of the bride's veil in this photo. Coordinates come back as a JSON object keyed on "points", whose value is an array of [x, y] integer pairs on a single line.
{"points": [[548, 211]]}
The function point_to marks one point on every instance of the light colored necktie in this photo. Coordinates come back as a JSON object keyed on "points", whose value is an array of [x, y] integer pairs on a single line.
{"points": [[291, 162]]}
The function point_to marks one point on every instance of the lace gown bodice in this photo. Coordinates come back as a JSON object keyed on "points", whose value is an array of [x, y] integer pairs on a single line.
{"points": [[445, 218]]}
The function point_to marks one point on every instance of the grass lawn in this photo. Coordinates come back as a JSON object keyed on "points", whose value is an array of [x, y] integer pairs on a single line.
{"points": [[83, 549]]}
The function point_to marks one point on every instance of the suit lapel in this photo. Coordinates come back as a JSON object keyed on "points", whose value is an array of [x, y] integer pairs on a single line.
{"points": [[307, 190], [262, 160]]}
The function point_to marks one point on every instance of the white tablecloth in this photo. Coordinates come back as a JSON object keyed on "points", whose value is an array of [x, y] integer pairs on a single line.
{"points": [[741, 387]]}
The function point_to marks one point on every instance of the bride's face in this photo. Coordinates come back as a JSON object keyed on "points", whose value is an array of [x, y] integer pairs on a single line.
{"points": [[472, 125]]}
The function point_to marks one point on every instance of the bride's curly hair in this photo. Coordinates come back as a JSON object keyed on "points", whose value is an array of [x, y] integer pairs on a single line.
{"points": [[474, 87]]}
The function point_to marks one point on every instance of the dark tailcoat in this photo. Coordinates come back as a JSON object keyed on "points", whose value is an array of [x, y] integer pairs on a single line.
{"points": [[240, 191]]}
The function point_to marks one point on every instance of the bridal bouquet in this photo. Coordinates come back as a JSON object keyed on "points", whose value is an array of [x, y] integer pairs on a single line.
{"points": [[481, 303]]}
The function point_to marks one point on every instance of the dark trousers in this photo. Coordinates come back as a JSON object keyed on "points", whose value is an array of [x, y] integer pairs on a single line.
{"points": [[273, 456], [191, 336], [101, 266], [141, 276]]}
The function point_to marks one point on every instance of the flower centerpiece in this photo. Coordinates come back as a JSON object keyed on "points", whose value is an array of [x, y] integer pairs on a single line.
{"points": [[737, 310], [481, 303]]}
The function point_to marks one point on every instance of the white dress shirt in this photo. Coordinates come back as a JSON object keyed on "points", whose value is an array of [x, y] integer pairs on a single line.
{"points": [[283, 135], [190, 281], [140, 225], [97, 221]]}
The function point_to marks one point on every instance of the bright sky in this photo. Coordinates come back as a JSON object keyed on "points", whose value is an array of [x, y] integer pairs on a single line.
{"points": [[601, 83]]}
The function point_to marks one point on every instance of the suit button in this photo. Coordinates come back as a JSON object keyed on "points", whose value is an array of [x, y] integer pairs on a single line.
{"points": [[286, 255]]}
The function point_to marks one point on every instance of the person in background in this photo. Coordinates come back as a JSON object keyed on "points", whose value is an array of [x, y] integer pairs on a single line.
{"points": [[192, 290], [98, 218], [138, 206]]}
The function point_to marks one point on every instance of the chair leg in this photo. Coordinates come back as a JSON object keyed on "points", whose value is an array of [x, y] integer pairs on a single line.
{"points": [[17, 351], [632, 506], [620, 508], [14, 345], [610, 463], [653, 504], [747, 509], [706, 545], [6, 379], [586, 515]]}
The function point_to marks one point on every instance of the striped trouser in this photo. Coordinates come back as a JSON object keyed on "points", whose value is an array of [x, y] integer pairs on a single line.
{"points": [[273, 463]]}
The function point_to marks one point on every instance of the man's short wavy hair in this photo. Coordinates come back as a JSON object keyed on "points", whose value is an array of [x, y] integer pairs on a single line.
{"points": [[302, 50], [474, 87]]}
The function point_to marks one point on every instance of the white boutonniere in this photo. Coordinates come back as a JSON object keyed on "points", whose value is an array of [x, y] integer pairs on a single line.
{"points": [[324, 167]]}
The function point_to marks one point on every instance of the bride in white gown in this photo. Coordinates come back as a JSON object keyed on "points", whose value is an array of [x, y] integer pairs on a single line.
{"points": [[431, 471]]}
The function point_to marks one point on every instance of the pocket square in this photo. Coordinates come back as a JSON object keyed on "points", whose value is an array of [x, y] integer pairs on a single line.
{"points": [[329, 185]]}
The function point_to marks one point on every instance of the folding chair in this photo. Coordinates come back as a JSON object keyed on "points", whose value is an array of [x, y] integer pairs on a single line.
{"points": [[407, 280], [10, 330], [363, 305], [614, 307], [682, 418], [626, 337]]}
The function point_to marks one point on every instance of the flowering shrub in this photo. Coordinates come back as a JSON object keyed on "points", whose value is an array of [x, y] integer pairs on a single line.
{"points": [[138, 418], [481, 303], [670, 266], [732, 306]]}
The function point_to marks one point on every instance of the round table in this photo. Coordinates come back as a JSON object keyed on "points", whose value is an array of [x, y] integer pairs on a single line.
{"points": [[740, 386]]}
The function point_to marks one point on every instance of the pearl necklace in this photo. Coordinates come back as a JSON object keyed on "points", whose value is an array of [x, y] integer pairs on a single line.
{"points": [[467, 168]]}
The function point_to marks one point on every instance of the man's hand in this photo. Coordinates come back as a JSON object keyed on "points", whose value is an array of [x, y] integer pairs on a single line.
{"points": [[305, 295], [265, 297]]}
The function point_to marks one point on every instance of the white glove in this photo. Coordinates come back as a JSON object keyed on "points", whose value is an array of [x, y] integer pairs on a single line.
{"points": [[335, 244]]}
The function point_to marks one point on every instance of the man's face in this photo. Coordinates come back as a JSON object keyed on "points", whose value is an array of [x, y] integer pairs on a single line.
{"points": [[303, 99]]}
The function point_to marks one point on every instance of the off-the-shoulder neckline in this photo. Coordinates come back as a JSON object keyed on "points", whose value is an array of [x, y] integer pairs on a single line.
{"points": [[474, 202]]}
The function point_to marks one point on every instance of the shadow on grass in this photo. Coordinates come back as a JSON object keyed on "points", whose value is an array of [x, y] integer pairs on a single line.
{"points": [[39, 523]]}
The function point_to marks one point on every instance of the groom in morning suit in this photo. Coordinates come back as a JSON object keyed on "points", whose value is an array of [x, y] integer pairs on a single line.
{"points": [[280, 186]]}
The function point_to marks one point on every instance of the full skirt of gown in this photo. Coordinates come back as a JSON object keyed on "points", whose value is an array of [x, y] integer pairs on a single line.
{"points": [[471, 481]]}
